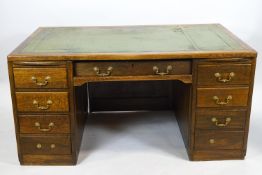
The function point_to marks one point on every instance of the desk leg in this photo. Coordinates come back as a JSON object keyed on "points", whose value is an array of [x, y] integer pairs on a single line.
{"points": [[78, 104], [182, 106]]}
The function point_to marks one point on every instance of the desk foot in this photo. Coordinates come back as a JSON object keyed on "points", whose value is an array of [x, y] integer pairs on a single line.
{"points": [[205, 155], [47, 160]]}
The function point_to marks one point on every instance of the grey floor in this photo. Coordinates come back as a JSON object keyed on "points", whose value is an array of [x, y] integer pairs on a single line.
{"points": [[139, 132]]}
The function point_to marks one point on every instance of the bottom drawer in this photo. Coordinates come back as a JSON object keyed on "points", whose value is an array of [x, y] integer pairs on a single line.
{"points": [[219, 140], [45, 145]]}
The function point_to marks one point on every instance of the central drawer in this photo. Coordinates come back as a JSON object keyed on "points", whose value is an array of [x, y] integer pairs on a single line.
{"points": [[132, 68]]}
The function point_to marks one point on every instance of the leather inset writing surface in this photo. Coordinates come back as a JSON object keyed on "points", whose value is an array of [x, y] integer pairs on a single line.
{"points": [[131, 39]]}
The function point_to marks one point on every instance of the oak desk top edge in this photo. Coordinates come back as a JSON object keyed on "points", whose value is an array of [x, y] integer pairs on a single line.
{"points": [[240, 50]]}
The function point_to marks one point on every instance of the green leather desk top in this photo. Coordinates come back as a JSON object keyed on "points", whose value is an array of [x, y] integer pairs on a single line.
{"points": [[166, 39]]}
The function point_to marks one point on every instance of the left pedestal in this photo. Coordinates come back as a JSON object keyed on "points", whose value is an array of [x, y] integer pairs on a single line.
{"points": [[49, 112]]}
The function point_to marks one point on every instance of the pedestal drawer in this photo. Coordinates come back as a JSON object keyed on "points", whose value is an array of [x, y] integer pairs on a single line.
{"points": [[221, 119], [224, 74], [40, 77], [45, 145], [219, 139], [42, 101], [44, 124], [221, 97]]}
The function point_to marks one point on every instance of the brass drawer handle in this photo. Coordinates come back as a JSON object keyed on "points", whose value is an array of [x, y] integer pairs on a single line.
{"points": [[108, 71], [156, 70], [38, 146], [217, 123], [219, 102], [48, 104], [52, 146], [44, 83], [224, 79], [50, 126], [211, 141]]}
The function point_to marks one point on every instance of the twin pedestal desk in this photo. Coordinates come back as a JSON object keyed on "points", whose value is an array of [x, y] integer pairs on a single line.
{"points": [[59, 76]]}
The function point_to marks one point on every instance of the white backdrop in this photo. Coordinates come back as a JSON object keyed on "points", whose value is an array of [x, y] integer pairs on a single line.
{"points": [[19, 18]]}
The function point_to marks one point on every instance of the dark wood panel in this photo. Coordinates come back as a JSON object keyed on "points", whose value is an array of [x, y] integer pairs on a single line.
{"points": [[130, 104], [42, 101], [220, 97], [44, 124], [40, 77], [251, 88], [38, 145], [129, 89], [211, 139], [153, 95], [15, 117], [181, 97], [224, 74], [80, 105], [221, 119]]}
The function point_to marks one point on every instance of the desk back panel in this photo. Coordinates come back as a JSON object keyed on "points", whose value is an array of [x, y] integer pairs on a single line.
{"points": [[125, 96]]}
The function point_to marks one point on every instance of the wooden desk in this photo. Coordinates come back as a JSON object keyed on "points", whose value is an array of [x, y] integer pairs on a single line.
{"points": [[202, 72]]}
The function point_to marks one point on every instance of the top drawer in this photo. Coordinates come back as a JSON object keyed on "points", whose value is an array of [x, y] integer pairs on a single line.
{"points": [[40, 77], [224, 74], [132, 68]]}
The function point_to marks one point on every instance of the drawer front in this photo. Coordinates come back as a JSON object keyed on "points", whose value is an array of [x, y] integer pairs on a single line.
{"points": [[40, 77], [42, 101], [222, 97], [44, 124], [132, 68], [220, 119], [224, 74], [45, 145], [219, 140]]}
